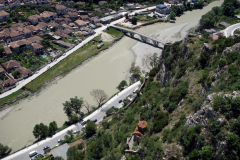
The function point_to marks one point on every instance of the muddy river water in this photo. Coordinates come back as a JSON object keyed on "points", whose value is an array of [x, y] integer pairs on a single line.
{"points": [[105, 71]]}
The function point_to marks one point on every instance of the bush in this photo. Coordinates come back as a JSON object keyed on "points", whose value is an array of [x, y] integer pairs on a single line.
{"points": [[160, 121], [222, 63], [153, 72]]}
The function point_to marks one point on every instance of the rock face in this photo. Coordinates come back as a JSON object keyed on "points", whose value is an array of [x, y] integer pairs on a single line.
{"points": [[200, 117], [235, 47], [164, 74]]}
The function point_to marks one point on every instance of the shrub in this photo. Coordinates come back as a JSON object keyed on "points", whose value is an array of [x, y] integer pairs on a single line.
{"points": [[222, 63]]}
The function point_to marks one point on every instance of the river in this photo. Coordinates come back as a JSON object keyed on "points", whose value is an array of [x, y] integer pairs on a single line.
{"points": [[105, 71]]}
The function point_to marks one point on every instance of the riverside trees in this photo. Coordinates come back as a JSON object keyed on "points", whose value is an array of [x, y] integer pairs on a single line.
{"points": [[72, 108], [99, 95], [4, 150], [41, 131]]}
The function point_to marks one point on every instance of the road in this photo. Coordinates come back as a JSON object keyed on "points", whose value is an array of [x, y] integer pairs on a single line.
{"points": [[229, 31], [98, 114], [44, 69]]}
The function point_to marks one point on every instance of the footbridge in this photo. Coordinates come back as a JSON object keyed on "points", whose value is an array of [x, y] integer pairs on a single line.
{"points": [[144, 37]]}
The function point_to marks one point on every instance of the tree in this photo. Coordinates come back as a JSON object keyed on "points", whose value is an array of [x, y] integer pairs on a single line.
{"points": [[90, 128], [16, 74], [1, 51], [126, 16], [98, 95], [69, 136], [152, 60], [4, 150], [73, 106], [172, 16], [71, 152], [58, 158], [122, 84], [134, 20], [87, 106], [40, 131], [135, 71], [52, 128]]}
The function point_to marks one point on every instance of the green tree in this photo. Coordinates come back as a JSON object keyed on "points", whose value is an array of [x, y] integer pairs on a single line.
{"points": [[16, 74], [69, 136], [52, 128], [122, 84], [134, 20], [4, 150], [135, 71], [90, 128], [172, 16], [40, 131], [73, 107], [1, 51], [58, 158]]}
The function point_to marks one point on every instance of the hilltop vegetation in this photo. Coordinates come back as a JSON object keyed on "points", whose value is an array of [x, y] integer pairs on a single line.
{"points": [[190, 102]]}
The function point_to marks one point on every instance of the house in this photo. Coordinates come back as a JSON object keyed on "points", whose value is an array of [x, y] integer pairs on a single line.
{"points": [[67, 20], [67, 31], [2, 4], [173, 1], [53, 24], [62, 35], [24, 72], [72, 14], [2, 71], [42, 1], [84, 17], [60, 151], [9, 82], [60, 9], [48, 16], [11, 65], [3, 16], [14, 4], [81, 3], [102, 3], [35, 39], [37, 48], [19, 46], [163, 9], [42, 26], [80, 23], [32, 28], [34, 19], [91, 15], [94, 20], [15, 36], [8, 51], [27, 33]]}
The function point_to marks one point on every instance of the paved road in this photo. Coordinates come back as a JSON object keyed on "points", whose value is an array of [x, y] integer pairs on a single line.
{"points": [[229, 31], [98, 114]]}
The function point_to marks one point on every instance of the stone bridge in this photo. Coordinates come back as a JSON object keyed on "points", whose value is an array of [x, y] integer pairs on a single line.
{"points": [[144, 37]]}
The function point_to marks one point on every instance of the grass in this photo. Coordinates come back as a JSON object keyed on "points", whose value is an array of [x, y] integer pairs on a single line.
{"points": [[57, 46], [11, 97], [70, 62]]}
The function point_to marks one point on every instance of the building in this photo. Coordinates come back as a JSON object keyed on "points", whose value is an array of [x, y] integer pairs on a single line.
{"points": [[27, 33], [81, 3], [14, 4], [8, 51], [102, 3], [163, 9], [110, 18], [72, 14], [80, 23], [60, 9], [9, 82], [84, 17], [24, 72], [3, 16], [42, 1], [48, 16], [11, 65], [37, 48], [94, 20], [15, 36], [42, 26], [2, 71], [34, 19]]}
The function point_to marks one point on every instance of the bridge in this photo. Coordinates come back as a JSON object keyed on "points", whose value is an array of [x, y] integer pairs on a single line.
{"points": [[144, 37]]}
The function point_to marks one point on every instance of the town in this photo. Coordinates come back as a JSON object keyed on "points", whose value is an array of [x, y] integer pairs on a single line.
{"points": [[35, 33]]}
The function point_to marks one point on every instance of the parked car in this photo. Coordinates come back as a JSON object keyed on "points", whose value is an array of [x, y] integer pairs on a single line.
{"points": [[83, 123], [95, 120], [120, 101], [59, 140], [46, 147], [64, 54], [75, 132], [37, 156], [37, 72]]}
